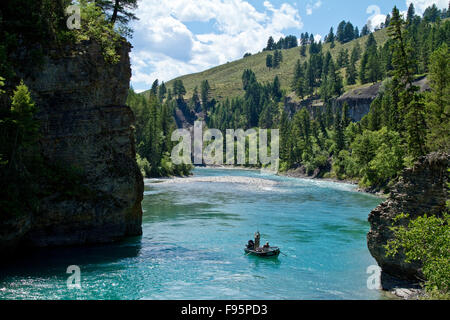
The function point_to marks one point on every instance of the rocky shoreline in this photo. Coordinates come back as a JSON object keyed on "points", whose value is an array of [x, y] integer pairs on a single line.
{"points": [[299, 174], [420, 190], [296, 173]]}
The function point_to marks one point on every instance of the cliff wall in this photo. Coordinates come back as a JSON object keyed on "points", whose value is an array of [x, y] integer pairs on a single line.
{"points": [[421, 190], [86, 126]]}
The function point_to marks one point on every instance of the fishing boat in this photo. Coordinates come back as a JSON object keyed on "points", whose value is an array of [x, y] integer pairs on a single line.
{"points": [[263, 252]]}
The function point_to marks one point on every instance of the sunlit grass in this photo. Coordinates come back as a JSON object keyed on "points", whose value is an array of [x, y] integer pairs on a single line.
{"points": [[225, 80]]}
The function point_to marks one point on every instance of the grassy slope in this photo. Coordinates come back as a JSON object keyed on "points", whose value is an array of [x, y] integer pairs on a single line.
{"points": [[225, 80]]}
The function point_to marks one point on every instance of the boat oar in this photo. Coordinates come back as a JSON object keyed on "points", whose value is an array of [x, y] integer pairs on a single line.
{"points": [[284, 254]]}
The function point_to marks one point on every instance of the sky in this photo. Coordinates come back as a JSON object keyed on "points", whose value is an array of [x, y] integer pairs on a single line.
{"points": [[177, 37]]}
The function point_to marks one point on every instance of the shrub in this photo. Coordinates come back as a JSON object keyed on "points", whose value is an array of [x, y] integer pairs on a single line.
{"points": [[95, 26], [426, 239]]}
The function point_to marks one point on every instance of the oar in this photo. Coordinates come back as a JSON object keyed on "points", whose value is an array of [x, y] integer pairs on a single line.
{"points": [[284, 254]]}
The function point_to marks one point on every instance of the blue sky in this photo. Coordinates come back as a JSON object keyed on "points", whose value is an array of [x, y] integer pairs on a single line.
{"points": [[177, 37]]}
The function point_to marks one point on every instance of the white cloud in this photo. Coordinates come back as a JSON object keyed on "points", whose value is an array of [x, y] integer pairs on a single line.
{"points": [[376, 19], [311, 7], [165, 48], [421, 5], [268, 5], [317, 37], [162, 67]]}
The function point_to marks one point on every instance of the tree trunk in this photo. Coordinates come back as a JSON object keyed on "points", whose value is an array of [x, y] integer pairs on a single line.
{"points": [[116, 10]]}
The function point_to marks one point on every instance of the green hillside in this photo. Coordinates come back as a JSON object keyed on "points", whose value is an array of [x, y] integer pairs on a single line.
{"points": [[225, 80]]}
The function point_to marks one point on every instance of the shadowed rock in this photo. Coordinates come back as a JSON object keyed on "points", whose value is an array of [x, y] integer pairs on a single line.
{"points": [[421, 190], [85, 124]]}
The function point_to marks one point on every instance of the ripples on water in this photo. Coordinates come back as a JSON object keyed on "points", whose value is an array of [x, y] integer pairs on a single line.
{"points": [[195, 230]]}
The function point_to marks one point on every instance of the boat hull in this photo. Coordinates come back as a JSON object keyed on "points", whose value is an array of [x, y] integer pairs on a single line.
{"points": [[272, 252]]}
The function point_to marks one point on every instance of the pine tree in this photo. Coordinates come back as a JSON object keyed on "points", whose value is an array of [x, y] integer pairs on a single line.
{"points": [[356, 33], [370, 67], [178, 89], [431, 14], [270, 44], [269, 61], [343, 59], [363, 68], [365, 31], [387, 21], [119, 10], [349, 32], [266, 118], [303, 50], [350, 74], [285, 134], [154, 89], [340, 34], [339, 137], [277, 59], [356, 53], [162, 92], [205, 91], [195, 100], [346, 120], [276, 89], [298, 74], [326, 65], [310, 77], [411, 14], [330, 37], [25, 128], [438, 102], [411, 102], [373, 66], [332, 84]]}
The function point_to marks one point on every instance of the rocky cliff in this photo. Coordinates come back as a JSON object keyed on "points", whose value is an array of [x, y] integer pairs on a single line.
{"points": [[421, 190], [358, 99], [85, 126]]}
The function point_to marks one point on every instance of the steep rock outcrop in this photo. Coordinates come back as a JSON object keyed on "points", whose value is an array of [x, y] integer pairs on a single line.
{"points": [[358, 100], [85, 125], [421, 190]]}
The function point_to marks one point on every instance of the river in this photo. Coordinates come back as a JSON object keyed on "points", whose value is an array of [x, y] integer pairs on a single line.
{"points": [[194, 233]]}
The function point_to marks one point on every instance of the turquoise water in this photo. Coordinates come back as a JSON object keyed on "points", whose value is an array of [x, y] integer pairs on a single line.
{"points": [[192, 247]]}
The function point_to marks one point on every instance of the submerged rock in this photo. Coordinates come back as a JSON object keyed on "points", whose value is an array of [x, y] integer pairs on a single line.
{"points": [[420, 190]]}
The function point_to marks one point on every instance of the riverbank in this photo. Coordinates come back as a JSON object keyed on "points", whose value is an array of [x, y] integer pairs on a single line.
{"points": [[299, 174]]}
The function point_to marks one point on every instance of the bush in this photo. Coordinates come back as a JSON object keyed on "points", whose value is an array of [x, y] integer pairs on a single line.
{"points": [[426, 239], [18, 136], [379, 155], [143, 165], [97, 27]]}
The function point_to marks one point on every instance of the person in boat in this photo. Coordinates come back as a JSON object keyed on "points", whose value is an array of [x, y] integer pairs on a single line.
{"points": [[266, 246], [257, 240], [250, 245]]}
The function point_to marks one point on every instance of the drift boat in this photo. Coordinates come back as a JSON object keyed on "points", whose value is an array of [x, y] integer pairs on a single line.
{"points": [[264, 252]]}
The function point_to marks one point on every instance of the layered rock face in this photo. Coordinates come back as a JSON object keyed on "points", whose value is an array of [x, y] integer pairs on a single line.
{"points": [[421, 190], [358, 100], [86, 125]]}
